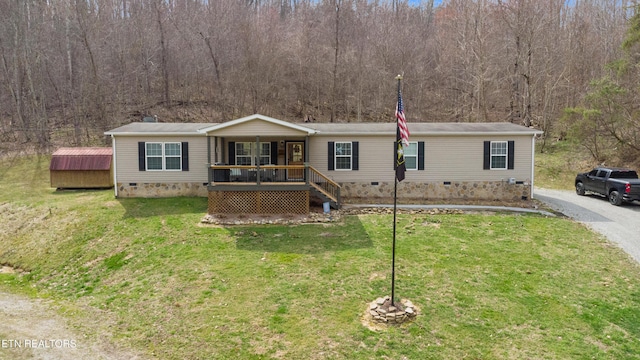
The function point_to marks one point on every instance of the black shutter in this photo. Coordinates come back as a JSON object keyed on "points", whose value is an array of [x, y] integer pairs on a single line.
{"points": [[274, 153], [185, 156], [232, 153], [330, 159], [420, 155], [355, 156], [487, 155], [142, 166], [511, 150]]}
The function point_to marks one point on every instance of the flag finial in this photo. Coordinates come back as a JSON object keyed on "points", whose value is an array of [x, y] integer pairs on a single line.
{"points": [[399, 77]]}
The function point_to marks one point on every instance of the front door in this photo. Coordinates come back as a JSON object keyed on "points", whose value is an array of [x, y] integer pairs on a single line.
{"points": [[295, 156]]}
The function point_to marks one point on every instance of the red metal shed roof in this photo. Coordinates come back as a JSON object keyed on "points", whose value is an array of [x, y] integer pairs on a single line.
{"points": [[81, 159]]}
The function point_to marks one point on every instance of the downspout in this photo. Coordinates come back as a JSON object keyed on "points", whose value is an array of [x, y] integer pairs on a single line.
{"points": [[115, 167]]}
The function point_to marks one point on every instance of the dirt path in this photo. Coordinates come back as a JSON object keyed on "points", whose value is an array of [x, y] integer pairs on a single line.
{"points": [[31, 329]]}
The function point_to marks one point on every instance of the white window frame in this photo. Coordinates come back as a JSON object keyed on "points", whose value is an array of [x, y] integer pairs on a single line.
{"points": [[497, 153], [172, 156], [408, 155], [264, 157], [244, 156], [147, 156], [337, 156], [163, 155]]}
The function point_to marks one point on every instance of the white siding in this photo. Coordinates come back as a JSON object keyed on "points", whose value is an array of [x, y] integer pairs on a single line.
{"points": [[127, 170], [447, 158]]}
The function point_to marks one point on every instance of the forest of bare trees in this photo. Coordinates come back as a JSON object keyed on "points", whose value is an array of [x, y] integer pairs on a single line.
{"points": [[71, 69]]}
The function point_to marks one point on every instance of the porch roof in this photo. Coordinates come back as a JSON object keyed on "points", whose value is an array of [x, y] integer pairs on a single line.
{"points": [[280, 126]]}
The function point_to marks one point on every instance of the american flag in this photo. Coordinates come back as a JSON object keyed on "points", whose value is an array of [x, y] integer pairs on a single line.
{"points": [[402, 122]]}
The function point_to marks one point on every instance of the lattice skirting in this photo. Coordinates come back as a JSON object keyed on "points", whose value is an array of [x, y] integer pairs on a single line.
{"points": [[259, 202]]}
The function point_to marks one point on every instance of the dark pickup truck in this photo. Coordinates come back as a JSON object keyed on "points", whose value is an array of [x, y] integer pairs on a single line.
{"points": [[615, 183]]}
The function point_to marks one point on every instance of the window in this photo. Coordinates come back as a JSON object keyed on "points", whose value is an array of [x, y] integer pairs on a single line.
{"points": [[411, 156], [343, 155], [164, 156], [154, 156], [159, 156], [245, 153], [265, 153], [172, 156], [499, 155]]}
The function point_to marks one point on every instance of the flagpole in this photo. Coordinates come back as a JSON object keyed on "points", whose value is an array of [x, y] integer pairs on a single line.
{"points": [[395, 206]]}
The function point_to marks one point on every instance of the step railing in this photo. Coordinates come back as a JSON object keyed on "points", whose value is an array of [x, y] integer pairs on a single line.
{"points": [[323, 184]]}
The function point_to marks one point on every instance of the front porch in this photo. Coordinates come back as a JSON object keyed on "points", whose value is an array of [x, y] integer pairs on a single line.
{"points": [[268, 189], [259, 164]]}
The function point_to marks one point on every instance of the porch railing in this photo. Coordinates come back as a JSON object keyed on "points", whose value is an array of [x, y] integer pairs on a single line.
{"points": [[274, 174], [256, 174]]}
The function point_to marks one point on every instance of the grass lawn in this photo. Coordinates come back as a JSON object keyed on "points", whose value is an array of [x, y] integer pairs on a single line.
{"points": [[558, 166], [489, 286]]}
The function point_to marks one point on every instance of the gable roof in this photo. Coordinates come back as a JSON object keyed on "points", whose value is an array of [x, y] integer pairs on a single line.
{"points": [[323, 129], [285, 124], [81, 159]]}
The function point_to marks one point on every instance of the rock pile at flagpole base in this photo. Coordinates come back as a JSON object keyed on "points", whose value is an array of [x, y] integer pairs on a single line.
{"points": [[381, 311]]}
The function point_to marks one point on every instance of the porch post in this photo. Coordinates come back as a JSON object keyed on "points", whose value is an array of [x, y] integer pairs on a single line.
{"points": [[306, 159], [257, 160], [223, 152]]}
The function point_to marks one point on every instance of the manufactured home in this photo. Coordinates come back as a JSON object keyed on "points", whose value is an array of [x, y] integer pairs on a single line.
{"points": [[259, 164]]}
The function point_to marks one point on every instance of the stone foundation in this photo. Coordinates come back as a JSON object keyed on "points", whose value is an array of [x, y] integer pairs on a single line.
{"points": [[156, 190], [464, 190]]}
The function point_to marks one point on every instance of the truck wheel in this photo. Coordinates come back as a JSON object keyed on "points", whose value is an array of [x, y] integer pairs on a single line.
{"points": [[615, 198], [580, 188]]}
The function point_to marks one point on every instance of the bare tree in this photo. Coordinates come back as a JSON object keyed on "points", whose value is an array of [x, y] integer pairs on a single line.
{"points": [[74, 68]]}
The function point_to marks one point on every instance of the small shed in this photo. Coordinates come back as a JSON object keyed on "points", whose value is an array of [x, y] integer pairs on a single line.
{"points": [[82, 168]]}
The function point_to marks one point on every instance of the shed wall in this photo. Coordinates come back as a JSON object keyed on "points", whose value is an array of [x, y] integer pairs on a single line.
{"points": [[81, 179]]}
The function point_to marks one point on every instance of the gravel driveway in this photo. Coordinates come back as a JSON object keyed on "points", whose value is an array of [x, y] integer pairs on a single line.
{"points": [[33, 329], [619, 224]]}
